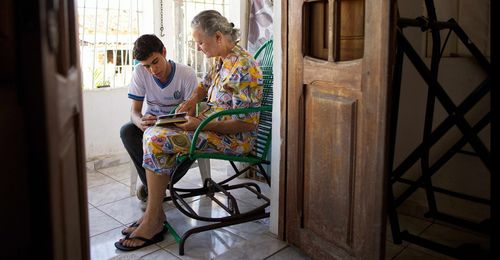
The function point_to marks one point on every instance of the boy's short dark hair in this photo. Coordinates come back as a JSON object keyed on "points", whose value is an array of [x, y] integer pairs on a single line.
{"points": [[145, 45]]}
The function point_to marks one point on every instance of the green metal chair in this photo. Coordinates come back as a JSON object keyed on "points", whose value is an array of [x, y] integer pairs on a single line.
{"points": [[257, 157]]}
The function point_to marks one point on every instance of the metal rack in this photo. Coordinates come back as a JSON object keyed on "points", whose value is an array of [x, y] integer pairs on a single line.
{"points": [[431, 137]]}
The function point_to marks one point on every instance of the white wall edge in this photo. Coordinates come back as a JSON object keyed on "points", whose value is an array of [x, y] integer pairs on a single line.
{"points": [[276, 138]]}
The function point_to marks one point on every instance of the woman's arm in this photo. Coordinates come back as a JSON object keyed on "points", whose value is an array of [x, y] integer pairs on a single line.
{"points": [[189, 105], [231, 126]]}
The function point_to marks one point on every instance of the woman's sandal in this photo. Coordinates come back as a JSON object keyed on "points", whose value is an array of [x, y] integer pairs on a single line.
{"points": [[135, 224], [155, 239]]}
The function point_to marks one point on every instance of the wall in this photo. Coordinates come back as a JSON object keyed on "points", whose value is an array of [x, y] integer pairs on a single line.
{"points": [[105, 111], [276, 138], [459, 74]]}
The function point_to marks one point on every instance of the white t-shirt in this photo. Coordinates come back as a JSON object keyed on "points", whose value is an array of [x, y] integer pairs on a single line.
{"points": [[161, 98]]}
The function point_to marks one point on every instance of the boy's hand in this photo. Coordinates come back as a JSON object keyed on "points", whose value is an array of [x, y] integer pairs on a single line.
{"points": [[146, 121]]}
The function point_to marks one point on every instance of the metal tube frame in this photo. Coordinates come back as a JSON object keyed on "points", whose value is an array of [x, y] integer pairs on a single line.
{"points": [[209, 188], [430, 137]]}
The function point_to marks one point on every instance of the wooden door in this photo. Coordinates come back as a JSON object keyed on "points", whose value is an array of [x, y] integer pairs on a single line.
{"points": [[42, 135], [337, 73], [64, 99]]}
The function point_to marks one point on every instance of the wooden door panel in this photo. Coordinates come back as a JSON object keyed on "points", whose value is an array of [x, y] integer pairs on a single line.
{"points": [[68, 87], [328, 214], [344, 75], [316, 29], [68, 158], [351, 29]]}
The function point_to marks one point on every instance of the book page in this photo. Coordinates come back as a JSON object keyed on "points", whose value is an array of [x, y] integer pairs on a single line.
{"points": [[171, 118]]}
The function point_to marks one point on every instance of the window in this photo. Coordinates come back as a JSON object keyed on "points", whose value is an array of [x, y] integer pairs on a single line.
{"points": [[183, 45], [107, 31]]}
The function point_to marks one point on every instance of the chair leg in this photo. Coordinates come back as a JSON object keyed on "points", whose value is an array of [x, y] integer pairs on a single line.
{"points": [[133, 178], [204, 165], [177, 196]]}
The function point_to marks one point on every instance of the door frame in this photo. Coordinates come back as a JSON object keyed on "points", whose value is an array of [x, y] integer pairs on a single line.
{"points": [[283, 122]]}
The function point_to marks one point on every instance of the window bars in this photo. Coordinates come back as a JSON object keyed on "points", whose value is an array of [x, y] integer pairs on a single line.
{"points": [[107, 31], [184, 12]]}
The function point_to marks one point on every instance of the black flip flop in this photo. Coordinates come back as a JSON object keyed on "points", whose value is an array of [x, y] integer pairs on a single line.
{"points": [[135, 224], [147, 242]]}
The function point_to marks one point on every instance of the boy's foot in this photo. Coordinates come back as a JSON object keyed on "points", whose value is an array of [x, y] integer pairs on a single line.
{"points": [[142, 193]]}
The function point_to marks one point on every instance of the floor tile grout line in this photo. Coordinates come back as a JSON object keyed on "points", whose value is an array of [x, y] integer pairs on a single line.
{"points": [[169, 207], [107, 175], [405, 247], [107, 203], [400, 252], [167, 244], [105, 231], [150, 252], [114, 181], [418, 246], [173, 253], [121, 224], [443, 224], [125, 182], [275, 253], [458, 228], [433, 223], [165, 250], [425, 229]]}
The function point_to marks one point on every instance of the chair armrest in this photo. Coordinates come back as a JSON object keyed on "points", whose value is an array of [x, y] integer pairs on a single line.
{"points": [[223, 113]]}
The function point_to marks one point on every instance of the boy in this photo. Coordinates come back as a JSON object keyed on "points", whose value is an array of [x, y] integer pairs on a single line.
{"points": [[163, 84]]}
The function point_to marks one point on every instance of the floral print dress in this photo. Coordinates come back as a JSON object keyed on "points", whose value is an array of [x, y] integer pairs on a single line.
{"points": [[233, 82]]}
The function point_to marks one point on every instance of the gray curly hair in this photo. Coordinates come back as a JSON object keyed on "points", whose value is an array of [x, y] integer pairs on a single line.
{"points": [[211, 21]]}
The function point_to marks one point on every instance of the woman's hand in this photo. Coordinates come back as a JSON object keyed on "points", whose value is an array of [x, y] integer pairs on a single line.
{"points": [[187, 106], [190, 125]]}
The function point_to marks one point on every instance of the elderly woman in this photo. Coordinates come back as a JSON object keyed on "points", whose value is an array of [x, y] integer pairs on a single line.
{"points": [[233, 81]]}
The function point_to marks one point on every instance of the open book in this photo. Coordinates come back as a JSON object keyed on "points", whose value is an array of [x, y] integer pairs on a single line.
{"points": [[171, 118]]}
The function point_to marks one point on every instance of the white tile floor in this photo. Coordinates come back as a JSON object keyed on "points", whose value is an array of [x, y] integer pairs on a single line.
{"points": [[436, 232], [111, 208]]}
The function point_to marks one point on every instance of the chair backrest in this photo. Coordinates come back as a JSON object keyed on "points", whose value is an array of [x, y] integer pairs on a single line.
{"points": [[264, 57]]}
